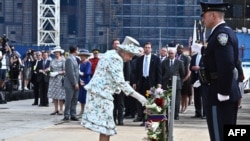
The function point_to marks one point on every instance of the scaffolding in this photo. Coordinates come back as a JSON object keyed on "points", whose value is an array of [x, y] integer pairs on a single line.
{"points": [[48, 23]]}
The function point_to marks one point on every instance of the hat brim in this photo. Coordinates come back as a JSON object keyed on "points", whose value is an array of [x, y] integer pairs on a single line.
{"points": [[84, 54], [57, 50], [130, 48]]}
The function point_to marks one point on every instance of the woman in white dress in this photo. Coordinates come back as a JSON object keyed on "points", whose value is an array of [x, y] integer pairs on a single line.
{"points": [[107, 80], [56, 90]]}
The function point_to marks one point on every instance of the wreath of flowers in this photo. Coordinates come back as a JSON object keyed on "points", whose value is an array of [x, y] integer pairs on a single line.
{"points": [[156, 108]]}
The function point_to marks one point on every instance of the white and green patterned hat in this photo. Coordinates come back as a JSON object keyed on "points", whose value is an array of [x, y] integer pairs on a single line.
{"points": [[131, 48]]}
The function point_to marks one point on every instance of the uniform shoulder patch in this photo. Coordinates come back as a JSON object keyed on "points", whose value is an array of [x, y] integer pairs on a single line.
{"points": [[222, 38]]}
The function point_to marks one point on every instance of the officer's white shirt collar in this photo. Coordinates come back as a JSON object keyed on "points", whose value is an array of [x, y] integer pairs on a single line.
{"points": [[217, 25]]}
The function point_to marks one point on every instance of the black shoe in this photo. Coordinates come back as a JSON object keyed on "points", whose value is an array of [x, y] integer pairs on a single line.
{"points": [[196, 116], [44, 105], [34, 104], [54, 113], [176, 118], [65, 119], [3, 102], [142, 124], [120, 123], [129, 116], [203, 117], [73, 119], [137, 120]]}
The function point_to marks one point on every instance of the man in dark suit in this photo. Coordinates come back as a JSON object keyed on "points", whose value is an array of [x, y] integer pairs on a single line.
{"points": [[34, 77], [194, 67], [173, 67], [220, 60], [148, 74], [130, 102], [42, 71]]}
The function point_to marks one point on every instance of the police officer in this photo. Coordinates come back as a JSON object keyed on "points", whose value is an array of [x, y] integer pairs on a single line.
{"points": [[220, 58]]}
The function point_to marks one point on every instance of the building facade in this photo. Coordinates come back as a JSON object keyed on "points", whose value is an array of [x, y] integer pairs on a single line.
{"points": [[94, 23]]}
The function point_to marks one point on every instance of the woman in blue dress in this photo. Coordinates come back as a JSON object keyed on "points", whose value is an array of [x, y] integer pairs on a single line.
{"points": [[85, 75]]}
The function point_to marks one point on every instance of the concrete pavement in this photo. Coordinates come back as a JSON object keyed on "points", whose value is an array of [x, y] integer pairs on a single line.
{"points": [[19, 121]]}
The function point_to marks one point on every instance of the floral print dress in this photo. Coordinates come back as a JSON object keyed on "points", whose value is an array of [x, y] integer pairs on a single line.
{"points": [[56, 89], [107, 80]]}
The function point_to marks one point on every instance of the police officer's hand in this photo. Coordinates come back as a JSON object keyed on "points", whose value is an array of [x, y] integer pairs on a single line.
{"points": [[222, 97]]}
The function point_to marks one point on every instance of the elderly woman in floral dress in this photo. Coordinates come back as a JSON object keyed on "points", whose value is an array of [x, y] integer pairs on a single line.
{"points": [[107, 80], [56, 90]]}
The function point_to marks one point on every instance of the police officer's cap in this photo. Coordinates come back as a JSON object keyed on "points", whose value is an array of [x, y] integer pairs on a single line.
{"points": [[221, 7], [95, 50]]}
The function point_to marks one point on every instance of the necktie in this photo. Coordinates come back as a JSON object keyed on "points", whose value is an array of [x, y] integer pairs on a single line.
{"points": [[171, 68], [145, 67]]}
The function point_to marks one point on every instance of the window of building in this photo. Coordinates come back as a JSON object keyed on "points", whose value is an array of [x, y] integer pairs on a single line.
{"points": [[100, 33], [69, 2], [247, 13], [72, 24], [19, 5], [238, 11], [13, 32], [1, 19]]}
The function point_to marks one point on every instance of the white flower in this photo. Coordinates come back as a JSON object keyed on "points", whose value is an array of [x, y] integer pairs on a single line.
{"points": [[158, 109], [153, 136], [152, 106], [158, 91], [155, 125]]}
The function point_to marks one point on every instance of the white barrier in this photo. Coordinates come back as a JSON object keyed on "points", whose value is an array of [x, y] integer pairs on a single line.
{"points": [[172, 110]]}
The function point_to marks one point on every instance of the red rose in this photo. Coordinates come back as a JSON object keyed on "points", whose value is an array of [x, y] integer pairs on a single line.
{"points": [[159, 102]]}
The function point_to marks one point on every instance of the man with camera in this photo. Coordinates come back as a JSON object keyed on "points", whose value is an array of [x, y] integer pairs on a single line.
{"points": [[5, 63]]}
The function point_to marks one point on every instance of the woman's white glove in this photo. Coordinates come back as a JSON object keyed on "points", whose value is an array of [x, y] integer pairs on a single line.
{"points": [[140, 98], [81, 73], [53, 74]]}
